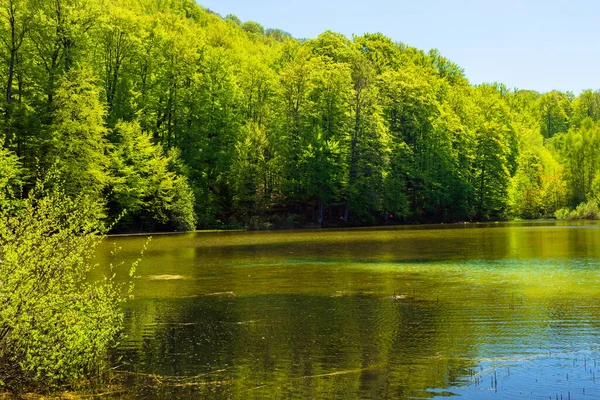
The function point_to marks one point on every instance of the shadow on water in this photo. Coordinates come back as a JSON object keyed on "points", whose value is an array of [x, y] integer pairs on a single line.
{"points": [[286, 346], [500, 311]]}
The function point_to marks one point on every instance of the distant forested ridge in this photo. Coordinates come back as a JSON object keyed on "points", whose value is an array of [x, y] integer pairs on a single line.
{"points": [[179, 118]]}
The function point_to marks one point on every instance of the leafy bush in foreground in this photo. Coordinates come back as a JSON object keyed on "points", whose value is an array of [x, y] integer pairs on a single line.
{"points": [[55, 325]]}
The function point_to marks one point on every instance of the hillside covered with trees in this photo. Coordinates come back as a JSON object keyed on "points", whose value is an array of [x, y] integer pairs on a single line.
{"points": [[180, 119]]}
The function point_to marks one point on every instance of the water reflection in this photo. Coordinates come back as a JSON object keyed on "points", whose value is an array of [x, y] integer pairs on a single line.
{"points": [[502, 311]]}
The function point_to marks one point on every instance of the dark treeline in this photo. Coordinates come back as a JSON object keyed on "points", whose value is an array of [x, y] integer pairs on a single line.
{"points": [[186, 119]]}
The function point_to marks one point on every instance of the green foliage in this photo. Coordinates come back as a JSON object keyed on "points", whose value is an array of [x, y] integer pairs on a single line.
{"points": [[11, 175], [181, 209], [580, 150], [555, 110], [249, 171], [267, 128], [588, 210], [368, 155], [55, 325], [78, 142], [494, 138], [278, 34], [143, 185], [525, 192], [253, 27], [233, 18], [587, 105]]}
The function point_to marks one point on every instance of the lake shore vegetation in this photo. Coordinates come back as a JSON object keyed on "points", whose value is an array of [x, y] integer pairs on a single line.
{"points": [[163, 115], [185, 119], [56, 325]]}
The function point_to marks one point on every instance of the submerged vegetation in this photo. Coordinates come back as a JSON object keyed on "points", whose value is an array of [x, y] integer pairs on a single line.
{"points": [[185, 119]]}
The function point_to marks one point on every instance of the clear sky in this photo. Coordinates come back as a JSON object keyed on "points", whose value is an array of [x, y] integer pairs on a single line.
{"points": [[528, 44]]}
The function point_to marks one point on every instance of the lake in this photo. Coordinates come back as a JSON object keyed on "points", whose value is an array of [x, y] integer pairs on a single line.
{"points": [[482, 311]]}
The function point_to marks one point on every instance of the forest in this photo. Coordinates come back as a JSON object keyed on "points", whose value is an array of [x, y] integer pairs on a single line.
{"points": [[180, 119]]}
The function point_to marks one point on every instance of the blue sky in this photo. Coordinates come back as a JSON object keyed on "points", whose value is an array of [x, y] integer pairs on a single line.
{"points": [[528, 44]]}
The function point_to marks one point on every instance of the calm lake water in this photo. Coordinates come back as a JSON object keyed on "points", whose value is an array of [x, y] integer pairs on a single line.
{"points": [[482, 311]]}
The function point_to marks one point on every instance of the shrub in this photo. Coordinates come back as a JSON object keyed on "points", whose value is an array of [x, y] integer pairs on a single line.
{"points": [[182, 208], [55, 325], [562, 213], [11, 173], [588, 210]]}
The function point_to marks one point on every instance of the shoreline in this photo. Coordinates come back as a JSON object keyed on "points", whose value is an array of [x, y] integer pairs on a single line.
{"points": [[446, 225]]}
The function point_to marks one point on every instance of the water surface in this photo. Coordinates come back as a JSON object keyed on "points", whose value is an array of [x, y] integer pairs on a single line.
{"points": [[496, 311]]}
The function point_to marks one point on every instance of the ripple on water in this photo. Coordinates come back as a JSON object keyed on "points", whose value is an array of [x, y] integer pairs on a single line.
{"points": [[500, 313]]}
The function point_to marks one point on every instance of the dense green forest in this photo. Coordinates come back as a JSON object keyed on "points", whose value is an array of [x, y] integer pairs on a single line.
{"points": [[179, 118]]}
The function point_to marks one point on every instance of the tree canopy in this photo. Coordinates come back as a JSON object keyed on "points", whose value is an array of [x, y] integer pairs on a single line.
{"points": [[180, 118]]}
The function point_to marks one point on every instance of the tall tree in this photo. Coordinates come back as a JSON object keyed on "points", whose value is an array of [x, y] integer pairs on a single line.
{"points": [[495, 148], [143, 185], [555, 113], [369, 147], [78, 143]]}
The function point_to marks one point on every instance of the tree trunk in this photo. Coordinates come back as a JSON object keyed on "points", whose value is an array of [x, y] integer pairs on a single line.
{"points": [[481, 187], [11, 73], [354, 154], [320, 217]]}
